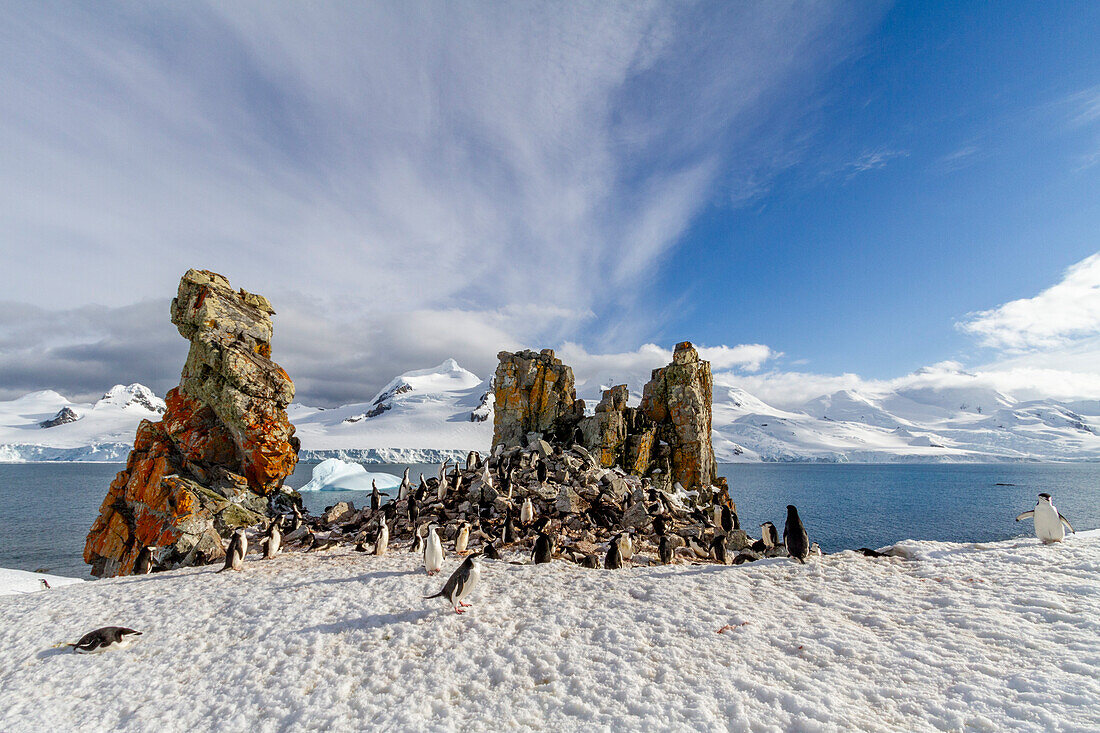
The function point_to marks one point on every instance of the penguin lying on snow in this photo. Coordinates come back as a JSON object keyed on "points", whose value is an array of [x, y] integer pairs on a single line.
{"points": [[100, 640], [461, 583], [1048, 521]]}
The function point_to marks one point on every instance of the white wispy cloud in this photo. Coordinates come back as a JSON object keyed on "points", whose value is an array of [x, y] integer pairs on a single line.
{"points": [[1061, 314]]}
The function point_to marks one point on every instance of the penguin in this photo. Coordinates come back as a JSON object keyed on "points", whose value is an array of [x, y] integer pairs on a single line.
{"points": [[414, 510], [296, 523], [45, 584], [441, 488], [433, 552], [272, 541], [490, 551], [506, 483], [383, 542], [697, 548], [868, 552], [417, 544], [613, 560], [729, 520], [144, 563], [716, 510], [544, 549], [795, 537], [769, 534], [626, 545], [422, 489], [718, 549], [316, 544], [509, 531], [100, 640], [664, 550], [375, 496], [1048, 521], [238, 548], [461, 583], [473, 460], [590, 561], [403, 491], [526, 512], [815, 549], [462, 539], [541, 472], [660, 525]]}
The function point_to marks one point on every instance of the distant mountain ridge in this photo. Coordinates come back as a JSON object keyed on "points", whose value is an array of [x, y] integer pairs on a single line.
{"points": [[431, 415]]}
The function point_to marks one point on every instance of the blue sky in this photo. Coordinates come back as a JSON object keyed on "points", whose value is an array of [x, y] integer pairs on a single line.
{"points": [[826, 195]]}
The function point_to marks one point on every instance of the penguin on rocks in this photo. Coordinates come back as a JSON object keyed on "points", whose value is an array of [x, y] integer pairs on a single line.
{"points": [[272, 541], [108, 637], [406, 486], [316, 544], [461, 583], [718, 549], [433, 552], [414, 510], [143, 565], [462, 539], [422, 489], [383, 542], [541, 472], [526, 512], [664, 550], [1050, 525], [238, 548], [614, 559], [660, 525], [769, 535], [375, 496], [795, 537], [544, 549], [509, 536], [441, 489]]}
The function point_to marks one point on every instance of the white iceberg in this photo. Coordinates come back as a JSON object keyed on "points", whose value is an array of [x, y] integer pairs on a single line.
{"points": [[332, 474]]}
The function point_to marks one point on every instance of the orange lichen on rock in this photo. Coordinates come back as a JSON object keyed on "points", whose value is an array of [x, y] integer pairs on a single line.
{"points": [[222, 448]]}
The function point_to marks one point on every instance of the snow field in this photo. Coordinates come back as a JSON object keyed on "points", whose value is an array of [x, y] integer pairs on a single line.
{"points": [[1000, 636]]}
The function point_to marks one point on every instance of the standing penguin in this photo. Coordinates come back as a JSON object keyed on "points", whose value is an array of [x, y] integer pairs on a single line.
{"points": [[718, 549], [1048, 521], [433, 552], [613, 560], [509, 536], [375, 496], [414, 510], [144, 563], [544, 549], [769, 534], [462, 539], [727, 523], [272, 541], [383, 542], [403, 491], [626, 545], [441, 488], [660, 525], [490, 551], [238, 548], [526, 512], [795, 537], [418, 541], [541, 472], [664, 550], [461, 583]]}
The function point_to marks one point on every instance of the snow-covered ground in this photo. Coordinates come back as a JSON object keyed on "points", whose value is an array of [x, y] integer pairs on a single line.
{"points": [[17, 582], [994, 637], [432, 415]]}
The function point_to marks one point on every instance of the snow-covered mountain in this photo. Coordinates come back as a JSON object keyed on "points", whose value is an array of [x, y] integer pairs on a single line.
{"points": [[432, 414], [46, 426]]}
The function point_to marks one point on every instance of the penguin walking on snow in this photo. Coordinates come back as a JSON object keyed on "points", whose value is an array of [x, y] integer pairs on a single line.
{"points": [[418, 541], [145, 560], [544, 549], [614, 559], [795, 537], [383, 542], [100, 640], [664, 550], [238, 548], [1050, 525], [490, 551], [272, 541], [461, 583], [718, 549], [433, 552]]}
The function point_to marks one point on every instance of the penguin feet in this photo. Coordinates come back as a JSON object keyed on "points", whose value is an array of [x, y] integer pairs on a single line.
{"points": [[459, 610], [463, 605]]}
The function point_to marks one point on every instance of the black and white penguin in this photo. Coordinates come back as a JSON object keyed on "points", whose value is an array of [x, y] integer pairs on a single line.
{"points": [[697, 547], [660, 525], [433, 552], [418, 541], [316, 544], [461, 583], [626, 545], [272, 541], [544, 549], [726, 517], [414, 509], [1050, 525], [375, 496], [406, 486], [614, 559], [473, 460], [541, 472], [238, 548], [769, 534], [144, 563], [509, 531], [462, 539], [718, 549], [664, 550], [490, 551], [383, 542], [441, 488], [526, 512], [590, 561], [108, 637], [795, 537]]}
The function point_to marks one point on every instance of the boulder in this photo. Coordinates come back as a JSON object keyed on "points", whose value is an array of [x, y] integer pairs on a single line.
{"points": [[339, 512], [533, 393], [218, 457]]}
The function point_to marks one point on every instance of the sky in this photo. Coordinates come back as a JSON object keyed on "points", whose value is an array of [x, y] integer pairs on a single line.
{"points": [[823, 195]]}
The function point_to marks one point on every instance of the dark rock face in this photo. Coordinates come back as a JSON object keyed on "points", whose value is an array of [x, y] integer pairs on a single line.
{"points": [[223, 447], [534, 393], [64, 415]]}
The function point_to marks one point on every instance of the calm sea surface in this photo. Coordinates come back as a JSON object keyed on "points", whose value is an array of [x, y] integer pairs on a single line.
{"points": [[47, 508]]}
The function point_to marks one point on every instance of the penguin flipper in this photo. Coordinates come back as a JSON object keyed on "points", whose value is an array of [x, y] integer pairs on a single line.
{"points": [[1026, 515], [1066, 522]]}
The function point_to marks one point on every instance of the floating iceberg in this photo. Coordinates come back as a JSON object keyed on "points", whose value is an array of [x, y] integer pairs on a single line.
{"points": [[332, 474]]}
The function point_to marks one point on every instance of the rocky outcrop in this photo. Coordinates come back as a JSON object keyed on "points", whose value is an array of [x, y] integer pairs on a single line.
{"points": [[220, 454], [64, 416], [533, 393], [677, 400]]}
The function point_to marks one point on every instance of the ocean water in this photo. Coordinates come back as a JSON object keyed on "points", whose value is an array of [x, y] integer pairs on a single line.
{"points": [[46, 509]]}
